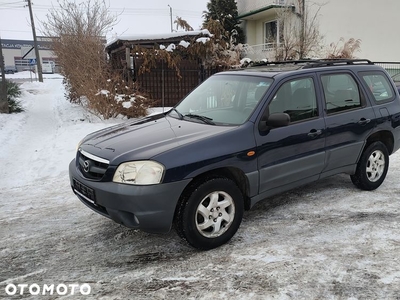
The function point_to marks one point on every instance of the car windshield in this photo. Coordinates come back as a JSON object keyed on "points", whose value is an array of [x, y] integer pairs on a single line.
{"points": [[396, 77], [223, 100]]}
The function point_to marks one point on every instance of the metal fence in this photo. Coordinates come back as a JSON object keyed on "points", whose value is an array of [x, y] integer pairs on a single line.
{"points": [[392, 68], [261, 51], [166, 87]]}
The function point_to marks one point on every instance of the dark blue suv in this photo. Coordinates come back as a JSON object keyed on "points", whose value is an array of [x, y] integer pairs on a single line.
{"points": [[238, 138]]}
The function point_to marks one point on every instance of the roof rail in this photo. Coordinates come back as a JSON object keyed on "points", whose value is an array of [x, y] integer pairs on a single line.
{"points": [[283, 62], [312, 63], [336, 62]]}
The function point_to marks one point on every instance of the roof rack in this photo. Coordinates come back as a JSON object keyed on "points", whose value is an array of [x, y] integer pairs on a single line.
{"points": [[313, 63], [336, 62]]}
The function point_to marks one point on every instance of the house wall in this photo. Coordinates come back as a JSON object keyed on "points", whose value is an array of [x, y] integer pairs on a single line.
{"points": [[255, 31], [374, 22]]}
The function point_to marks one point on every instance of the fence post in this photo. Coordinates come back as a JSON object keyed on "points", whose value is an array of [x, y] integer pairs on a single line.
{"points": [[162, 84], [128, 63], [3, 86]]}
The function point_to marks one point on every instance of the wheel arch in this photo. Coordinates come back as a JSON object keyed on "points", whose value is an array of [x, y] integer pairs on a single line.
{"points": [[383, 136], [232, 173]]}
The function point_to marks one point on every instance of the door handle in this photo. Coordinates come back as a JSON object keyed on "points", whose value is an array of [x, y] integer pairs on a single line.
{"points": [[364, 121], [313, 133]]}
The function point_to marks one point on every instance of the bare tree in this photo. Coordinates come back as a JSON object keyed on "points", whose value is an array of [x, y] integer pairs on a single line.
{"points": [[299, 35], [77, 31]]}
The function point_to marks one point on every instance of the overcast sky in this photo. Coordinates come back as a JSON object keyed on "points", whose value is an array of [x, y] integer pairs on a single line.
{"points": [[137, 17]]}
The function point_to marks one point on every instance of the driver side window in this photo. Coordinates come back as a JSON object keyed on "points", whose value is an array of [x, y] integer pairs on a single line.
{"points": [[297, 99]]}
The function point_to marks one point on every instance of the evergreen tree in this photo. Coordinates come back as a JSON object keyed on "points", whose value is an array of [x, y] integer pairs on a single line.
{"points": [[225, 11]]}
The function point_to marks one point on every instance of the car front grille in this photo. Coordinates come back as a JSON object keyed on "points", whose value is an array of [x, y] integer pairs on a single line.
{"points": [[91, 166]]}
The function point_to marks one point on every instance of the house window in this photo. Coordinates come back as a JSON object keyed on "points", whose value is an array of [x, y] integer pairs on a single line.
{"points": [[271, 34]]}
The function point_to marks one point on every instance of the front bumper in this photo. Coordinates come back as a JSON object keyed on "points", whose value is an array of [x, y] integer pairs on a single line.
{"points": [[150, 208]]}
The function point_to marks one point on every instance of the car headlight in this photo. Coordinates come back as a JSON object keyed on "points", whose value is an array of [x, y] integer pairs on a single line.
{"points": [[139, 172]]}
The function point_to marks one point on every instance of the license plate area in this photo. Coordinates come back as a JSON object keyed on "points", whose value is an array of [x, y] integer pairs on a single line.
{"points": [[84, 190]]}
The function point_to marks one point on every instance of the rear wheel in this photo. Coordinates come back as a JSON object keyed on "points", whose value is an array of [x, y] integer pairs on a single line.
{"points": [[372, 167], [210, 214]]}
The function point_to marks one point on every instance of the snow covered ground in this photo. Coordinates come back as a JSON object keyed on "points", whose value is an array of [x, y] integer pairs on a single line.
{"points": [[327, 240]]}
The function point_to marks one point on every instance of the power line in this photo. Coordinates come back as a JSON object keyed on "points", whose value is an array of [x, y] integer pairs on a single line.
{"points": [[10, 30], [7, 3], [123, 11]]}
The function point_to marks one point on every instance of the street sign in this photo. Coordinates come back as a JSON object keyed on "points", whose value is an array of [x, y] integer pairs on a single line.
{"points": [[32, 61], [28, 52]]}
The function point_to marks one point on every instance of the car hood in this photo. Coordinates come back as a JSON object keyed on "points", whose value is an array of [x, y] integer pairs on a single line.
{"points": [[145, 138]]}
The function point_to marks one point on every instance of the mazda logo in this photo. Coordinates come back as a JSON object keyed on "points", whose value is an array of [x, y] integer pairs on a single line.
{"points": [[86, 166]]}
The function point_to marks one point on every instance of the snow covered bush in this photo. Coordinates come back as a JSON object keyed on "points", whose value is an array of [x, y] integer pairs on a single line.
{"points": [[13, 93], [117, 97]]}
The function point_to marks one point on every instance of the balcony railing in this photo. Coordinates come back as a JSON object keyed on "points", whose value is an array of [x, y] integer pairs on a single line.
{"points": [[261, 51], [246, 6]]}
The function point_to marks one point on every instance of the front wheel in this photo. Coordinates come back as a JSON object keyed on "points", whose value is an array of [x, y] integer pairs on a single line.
{"points": [[372, 167], [210, 214]]}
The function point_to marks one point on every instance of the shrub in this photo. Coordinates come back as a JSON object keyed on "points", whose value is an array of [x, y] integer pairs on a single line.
{"points": [[78, 32], [13, 92], [344, 49]]}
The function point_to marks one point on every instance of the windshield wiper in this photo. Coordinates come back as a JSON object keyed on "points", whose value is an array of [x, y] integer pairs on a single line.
{"points": [[178, 113], [205, 119]]}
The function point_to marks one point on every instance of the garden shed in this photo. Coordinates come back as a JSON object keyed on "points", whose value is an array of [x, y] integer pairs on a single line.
{"points": [[166, 67]]}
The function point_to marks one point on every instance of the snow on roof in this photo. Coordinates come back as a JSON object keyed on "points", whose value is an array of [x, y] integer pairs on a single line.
{"points": [[160, 36]]}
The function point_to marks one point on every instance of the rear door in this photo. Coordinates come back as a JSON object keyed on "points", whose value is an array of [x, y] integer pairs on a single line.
{"points": [[349, 120], [294, 154]]}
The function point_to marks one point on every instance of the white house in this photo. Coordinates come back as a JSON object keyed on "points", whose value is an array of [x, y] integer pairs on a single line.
{"points": [[375, 23]]}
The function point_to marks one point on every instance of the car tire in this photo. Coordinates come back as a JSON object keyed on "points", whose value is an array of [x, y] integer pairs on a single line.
{"points": [[210, 213], [372, 167]]}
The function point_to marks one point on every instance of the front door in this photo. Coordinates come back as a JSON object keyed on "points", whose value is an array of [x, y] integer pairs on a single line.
{"points": [[292, 155]]}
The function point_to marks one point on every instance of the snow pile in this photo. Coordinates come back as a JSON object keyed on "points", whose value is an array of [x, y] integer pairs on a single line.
{"points": [[41, 141], [184, 44], [207, 35], [203, 40]]}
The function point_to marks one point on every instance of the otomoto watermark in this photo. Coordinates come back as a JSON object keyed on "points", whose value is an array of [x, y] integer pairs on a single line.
{"points": [[60, 289]]}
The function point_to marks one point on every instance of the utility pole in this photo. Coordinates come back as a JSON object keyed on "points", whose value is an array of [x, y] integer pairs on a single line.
{"points": [[303, 27], [3, 85], [170, 16], [38, 61]]}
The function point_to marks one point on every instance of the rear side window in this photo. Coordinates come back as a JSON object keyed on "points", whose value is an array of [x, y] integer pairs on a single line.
{"points": [[378, 85], [341, 92]]}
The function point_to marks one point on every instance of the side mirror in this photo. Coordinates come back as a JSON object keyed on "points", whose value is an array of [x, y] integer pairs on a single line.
{"points": [[278, 120], [273, 121]]}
